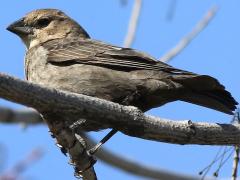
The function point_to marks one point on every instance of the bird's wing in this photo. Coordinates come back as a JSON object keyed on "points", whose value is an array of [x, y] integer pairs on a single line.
{"points": [[92, 52]]}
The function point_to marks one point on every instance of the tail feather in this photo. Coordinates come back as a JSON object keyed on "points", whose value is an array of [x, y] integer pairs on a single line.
{"points": [[213, 100], [209, 93], [224, 97]]}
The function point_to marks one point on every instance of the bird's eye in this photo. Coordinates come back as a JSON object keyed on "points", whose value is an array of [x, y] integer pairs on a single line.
{"points": [[41, 23]]}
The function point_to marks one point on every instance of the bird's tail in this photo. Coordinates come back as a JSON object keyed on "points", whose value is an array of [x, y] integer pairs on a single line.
{"points": [[208, 92]]}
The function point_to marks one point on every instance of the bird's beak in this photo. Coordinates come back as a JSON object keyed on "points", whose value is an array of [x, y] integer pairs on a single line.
{"points": [[20, 28]]}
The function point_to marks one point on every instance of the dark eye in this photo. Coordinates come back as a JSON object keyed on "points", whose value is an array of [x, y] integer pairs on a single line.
{"points": [[41, 23]]}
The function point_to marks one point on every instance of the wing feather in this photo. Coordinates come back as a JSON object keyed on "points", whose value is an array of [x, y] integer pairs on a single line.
{"points": [[92, 52]]}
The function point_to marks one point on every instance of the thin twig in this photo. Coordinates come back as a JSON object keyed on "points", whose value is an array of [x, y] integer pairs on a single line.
{"points": [[3, 157], [21, 166], [235, 163], [236, 119], [205, 170], [185, 41], [223, 162], [133, 22], [123, 2], [171, 10]]}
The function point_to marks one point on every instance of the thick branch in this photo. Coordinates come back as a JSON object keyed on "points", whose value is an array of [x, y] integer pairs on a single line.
{"points": [[73, 144], [68, 141], [185, 41], [129, 120], [8, 115]]}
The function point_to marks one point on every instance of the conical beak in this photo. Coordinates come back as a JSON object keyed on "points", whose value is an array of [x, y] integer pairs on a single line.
{"points": [[19, 28]]}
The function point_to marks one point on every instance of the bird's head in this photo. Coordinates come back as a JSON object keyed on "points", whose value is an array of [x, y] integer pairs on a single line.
{"points": [[43, 25]]}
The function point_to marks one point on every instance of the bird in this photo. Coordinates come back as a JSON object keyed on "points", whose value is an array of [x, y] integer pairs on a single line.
{"points": [[61, 55]]}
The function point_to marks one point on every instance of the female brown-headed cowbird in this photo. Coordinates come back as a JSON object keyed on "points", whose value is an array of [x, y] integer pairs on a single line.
{"points": [[62, 55]]}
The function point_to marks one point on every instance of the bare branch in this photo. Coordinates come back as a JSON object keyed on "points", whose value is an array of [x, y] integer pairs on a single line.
{"points": [[235, 163], [67, 139], [136, 168], [70, 107], [132, 25], [123, 2], [185, 41], [72, 143], [171, 10], [25, 116], [21, 166], [103, 154]]}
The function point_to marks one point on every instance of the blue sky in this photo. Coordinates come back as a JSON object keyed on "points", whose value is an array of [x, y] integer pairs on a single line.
{"points": [[214, 52]]}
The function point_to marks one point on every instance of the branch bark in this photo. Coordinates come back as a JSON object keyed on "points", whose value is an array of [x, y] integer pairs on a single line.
{"points": [[72, 143], [67, 139], [70, 107], [32, 117], [60, 121]]}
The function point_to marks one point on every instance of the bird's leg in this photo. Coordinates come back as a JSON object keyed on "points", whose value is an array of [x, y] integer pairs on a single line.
{"points": [[105, 139], [94, 149]]}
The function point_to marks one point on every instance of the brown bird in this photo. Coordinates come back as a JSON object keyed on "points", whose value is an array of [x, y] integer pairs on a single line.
{"points": [[60, 54]]}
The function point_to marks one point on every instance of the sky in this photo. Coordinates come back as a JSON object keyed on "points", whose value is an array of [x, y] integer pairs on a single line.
{"points": [[214, 52]]}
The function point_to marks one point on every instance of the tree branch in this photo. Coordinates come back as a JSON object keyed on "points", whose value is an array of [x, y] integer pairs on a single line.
{"points": [[235, 163], [8, 115], [24, 116], [136, 168], [15, 172], [171, 10], [67, 139], [70, 107], [132, 25], [185, 41], [73, 144]]}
